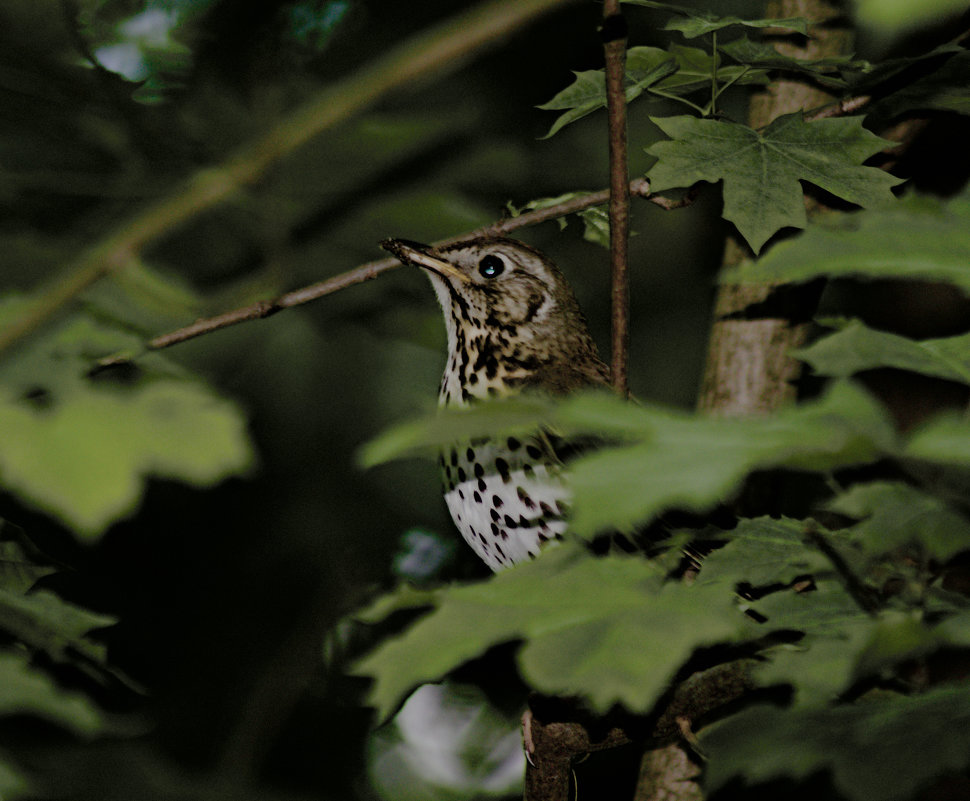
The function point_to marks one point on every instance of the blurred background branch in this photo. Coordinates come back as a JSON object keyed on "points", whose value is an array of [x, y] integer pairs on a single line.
{"points": [[435, 51]]}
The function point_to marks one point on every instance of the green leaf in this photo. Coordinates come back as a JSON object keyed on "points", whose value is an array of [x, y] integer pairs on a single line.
{"points": [[404, 596], [876, 750], [587, 93], [895, 515], [944, 440], [694, 462], [857, 347], [764, 56], [763, 551], [607, 629], [429, 434], [822, 664], [13, 784], [671, 458], [844, 644], [583, 96], [697, 22], [893, 17], [918, 238], [761, 170], [27, 691], [79, 442], [47, 623], [695, 71], [596, 219], [596, 223], [901, 636], [18, 572], [946, 89], [677, 71]]}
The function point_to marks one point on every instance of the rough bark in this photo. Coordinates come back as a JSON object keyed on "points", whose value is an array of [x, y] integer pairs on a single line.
{"points": [[748, 369]]}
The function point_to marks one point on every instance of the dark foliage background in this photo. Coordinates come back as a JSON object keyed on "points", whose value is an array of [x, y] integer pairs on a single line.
{"points": [[225, 595]]}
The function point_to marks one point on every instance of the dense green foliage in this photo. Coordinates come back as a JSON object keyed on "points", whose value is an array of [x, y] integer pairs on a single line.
{"points": [[161, 634]]}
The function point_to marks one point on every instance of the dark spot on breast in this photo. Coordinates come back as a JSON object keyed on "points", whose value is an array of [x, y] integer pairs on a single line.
{"points": [[510, 522], [473, 379], [477, 497], [479, 470], [491, 366], [503, 469], [494, 515], [496, 502], [454, 458], [460, 493], [470, 455], [524, 497], [461, 475], [513, 444], [533, 451], [528, 470], [523, 522], [482, 485], [499, 551], [528, 363]]}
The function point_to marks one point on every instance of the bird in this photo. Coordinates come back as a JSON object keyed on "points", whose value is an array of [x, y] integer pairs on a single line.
{"points": [[514, 326]]}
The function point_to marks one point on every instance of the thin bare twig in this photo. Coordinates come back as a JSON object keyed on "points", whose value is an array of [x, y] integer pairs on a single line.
{"points": [[847, 106], [614, 46], [639, 187], [431, 52]]}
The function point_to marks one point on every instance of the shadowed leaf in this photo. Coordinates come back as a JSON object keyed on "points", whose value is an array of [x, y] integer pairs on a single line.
{"points": [[919, 238], [762, 170]]}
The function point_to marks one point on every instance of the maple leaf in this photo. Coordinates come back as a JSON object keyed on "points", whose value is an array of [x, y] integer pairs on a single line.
{"points": [[762, 169]]}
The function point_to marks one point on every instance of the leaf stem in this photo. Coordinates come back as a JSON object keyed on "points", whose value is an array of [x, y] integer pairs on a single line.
{"points": [[713, 106], [668, 96], [729, 84]]}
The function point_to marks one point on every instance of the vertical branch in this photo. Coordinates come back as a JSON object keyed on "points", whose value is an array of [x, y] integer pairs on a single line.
{"points": [[748, 369], [614, 44], [554, 746]]}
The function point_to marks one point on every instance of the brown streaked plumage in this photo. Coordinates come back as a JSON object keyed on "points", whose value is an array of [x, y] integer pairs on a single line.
{"points": [[513, 324]]}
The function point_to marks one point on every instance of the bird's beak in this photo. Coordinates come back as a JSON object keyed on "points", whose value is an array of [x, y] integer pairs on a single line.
{"points": [[416, 253]]}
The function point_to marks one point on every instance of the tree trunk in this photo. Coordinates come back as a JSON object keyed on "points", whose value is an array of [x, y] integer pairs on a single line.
{"points": [[748, 370]]}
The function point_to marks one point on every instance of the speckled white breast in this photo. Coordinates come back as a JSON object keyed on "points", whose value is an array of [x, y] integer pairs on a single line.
{"points": [[507, 497]]}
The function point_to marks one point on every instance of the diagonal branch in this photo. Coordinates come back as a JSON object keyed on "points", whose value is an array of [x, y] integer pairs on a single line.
{"points": [[431, 52], [639, 187]]}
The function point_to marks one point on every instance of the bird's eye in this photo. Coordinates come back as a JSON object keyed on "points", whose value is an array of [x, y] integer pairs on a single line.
{"points": [[491, 266]]}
